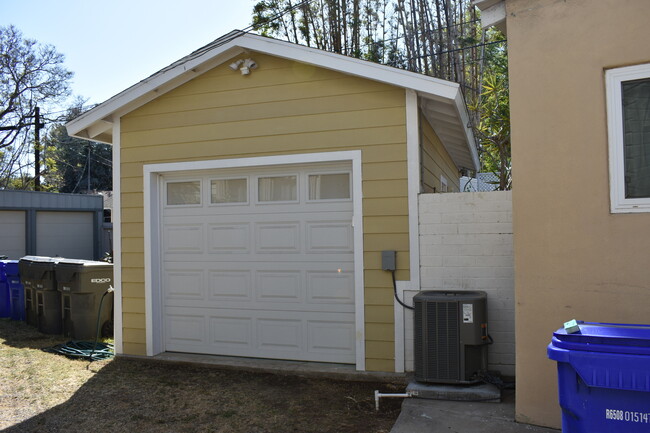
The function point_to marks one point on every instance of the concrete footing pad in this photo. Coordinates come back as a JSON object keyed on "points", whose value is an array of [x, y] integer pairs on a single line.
{"points": [[480, 392], [420, 415]]}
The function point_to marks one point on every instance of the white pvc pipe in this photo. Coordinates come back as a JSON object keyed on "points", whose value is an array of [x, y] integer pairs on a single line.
{"points": [[379, 395]]}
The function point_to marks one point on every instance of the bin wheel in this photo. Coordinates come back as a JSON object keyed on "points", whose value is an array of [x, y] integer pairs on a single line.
{"points": [[107, 329]]}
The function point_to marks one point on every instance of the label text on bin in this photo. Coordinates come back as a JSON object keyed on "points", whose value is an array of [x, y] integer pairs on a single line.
{"points": [[627, 415]]}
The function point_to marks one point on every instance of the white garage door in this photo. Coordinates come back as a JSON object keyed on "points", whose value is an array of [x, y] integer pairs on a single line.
{"points": [[65, 234], [12, 234], [259, 263]]}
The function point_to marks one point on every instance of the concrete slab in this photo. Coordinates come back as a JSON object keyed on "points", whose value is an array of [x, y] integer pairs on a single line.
{"points": [[432, 416], [479, 392], [293, 368]]}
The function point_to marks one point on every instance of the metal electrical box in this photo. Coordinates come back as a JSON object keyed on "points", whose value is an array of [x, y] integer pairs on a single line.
{"points": [[450, 333]]}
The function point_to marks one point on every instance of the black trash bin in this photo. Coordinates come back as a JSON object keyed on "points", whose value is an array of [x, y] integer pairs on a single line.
{"points": [[42, 300], [82, 283]]}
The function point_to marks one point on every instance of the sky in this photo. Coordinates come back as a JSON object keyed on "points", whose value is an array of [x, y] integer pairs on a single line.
{"points": [[113, 44]]}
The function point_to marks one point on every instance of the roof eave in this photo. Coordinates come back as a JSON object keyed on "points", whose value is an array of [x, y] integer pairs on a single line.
{"points": [[96, 124]]}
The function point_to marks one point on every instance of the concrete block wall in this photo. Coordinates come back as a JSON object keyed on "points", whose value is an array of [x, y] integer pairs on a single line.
{"points": [[466, 244]]}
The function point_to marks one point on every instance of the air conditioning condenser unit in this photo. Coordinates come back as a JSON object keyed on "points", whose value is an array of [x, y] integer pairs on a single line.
{"points": [[450, 332]]}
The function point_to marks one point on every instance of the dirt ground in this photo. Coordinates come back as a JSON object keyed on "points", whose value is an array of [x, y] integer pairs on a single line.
{"points": [[43, 392]]}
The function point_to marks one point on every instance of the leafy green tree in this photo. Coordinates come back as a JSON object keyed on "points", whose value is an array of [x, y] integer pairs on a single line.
{"points": [[31, 75], [75, 165], [493, 108]]}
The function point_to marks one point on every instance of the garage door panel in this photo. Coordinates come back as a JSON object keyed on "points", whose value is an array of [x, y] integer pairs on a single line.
{"points": [[330, 336], [330, 287], [289, 307], [272, 261], [270, 280], [185, 329], [12, 233], [329, 237], [183, 238], [184, 284], [270, 334], [279, 286], [232, 332], [277, 238], [65, 234], [279, 335], [230, 285], [228, 238]]}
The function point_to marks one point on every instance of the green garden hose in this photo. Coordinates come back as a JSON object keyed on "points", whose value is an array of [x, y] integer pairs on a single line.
{"points": [[91, 351]]}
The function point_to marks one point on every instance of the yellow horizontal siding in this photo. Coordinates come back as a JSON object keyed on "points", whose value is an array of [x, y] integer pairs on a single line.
{"points": [[381, 332], [299, 124], [384, 188], [133, 305], [379, 314], [133, 320], [133, 291], [283, 107], [137, 349], [436, 161], [378, 349], [382, 364], [299, 108], [216, 147], [385, 207], [177, 102], [380, 224], [133, 245]]}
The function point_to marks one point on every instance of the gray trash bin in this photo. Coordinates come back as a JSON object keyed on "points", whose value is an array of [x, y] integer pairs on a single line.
{"points": [[42, 300], [82, 283]]}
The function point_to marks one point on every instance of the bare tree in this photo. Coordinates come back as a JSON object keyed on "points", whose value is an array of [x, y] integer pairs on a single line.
{"points": [[31, 75]]}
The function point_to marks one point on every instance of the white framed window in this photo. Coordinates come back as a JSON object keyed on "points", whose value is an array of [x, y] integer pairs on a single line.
{"points": [[628, 120], [329, 186], [229, 191], [277, 189], [443, 184], [184, 193]]}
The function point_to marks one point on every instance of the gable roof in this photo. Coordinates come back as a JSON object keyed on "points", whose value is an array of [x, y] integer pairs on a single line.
{"points": [[441, 101]]}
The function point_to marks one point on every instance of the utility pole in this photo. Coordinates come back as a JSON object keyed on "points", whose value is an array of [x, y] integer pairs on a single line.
{"points": [[88, 187], [37, 148]]}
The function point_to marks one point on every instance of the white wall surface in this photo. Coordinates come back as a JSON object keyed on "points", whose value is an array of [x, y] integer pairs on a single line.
{"points": [[466, 244]]}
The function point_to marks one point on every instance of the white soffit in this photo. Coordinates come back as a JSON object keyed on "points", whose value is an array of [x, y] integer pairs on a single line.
{"points": [[443, 100]]}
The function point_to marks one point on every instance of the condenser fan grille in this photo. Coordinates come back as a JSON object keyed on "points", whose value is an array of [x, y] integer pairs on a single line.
{"points": [[439, 341]]}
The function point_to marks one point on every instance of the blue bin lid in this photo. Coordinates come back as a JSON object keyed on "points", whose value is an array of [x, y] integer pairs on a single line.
{"points": [[10, 267], [605, 337]]}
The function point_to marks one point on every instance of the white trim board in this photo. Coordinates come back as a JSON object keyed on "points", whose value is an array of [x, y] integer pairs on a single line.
{"points": [[152, 181], [614, 79], [118, 334]]}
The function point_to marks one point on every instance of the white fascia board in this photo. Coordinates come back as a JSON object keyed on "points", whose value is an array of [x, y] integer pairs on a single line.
{"points": [[461, 108], [349, 65], [149, 89], [163, 81]]}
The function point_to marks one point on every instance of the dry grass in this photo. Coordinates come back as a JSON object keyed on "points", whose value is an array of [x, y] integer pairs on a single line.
{"points": [[43, 392]]}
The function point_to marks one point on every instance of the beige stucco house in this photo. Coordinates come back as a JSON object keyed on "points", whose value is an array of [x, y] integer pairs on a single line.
{"points": [[581, 197], [256, 184]]}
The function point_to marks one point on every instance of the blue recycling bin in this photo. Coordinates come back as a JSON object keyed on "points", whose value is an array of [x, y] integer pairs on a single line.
{"points": [[15, 290], [5, 298], [603, 377]]}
